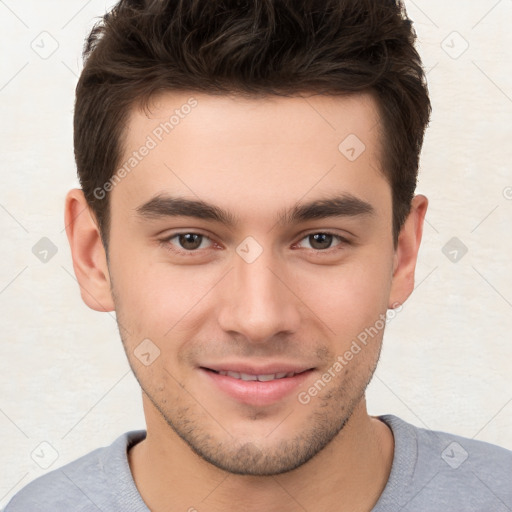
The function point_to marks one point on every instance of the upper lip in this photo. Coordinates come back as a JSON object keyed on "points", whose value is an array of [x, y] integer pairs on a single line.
{"points": [[252, 369]]}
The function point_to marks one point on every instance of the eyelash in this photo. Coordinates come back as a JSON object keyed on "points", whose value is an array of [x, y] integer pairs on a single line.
{"points": [[166, 242]]}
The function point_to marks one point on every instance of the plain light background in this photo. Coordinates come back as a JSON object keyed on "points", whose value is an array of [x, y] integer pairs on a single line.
{"points": [[66, 387]]}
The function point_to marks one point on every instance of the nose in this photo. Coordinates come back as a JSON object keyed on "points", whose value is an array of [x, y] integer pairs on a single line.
{"points": [[258, 301]]}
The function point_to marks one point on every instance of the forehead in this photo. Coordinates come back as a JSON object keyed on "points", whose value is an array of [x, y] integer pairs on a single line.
{"points": [[250, 151]]}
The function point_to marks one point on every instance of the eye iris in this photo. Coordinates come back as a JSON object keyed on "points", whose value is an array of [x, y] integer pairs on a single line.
{"points": [[322, 239], [190, 240]]}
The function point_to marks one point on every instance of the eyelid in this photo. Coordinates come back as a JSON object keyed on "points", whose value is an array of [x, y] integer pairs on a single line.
{"points": [[342, 233], [342, 239], [166, 241]]}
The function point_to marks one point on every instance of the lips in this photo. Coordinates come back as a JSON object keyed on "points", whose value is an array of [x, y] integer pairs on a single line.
{"points": [[264, 377], [256, 386]]}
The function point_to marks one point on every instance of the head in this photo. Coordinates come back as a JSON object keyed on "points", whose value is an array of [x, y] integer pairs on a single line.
{"points": [[248, 173]]}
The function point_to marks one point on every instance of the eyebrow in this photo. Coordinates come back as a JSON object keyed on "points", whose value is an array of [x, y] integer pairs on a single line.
{"points": [[346, 205]]}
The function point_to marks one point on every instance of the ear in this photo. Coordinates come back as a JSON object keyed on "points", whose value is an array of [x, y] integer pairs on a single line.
{"points": [[406, 253], [88, 253]]}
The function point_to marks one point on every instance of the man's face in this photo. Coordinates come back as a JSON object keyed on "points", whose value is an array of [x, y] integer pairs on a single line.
{"points": [[277, 294]]}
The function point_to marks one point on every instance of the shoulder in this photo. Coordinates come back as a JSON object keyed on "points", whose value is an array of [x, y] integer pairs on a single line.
{"points": [[85, 483], [453, 452], [448, 471]]}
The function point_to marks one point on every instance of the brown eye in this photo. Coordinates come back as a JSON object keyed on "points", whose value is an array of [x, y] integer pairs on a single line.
{"points": [[320, 241], [190, 241], [323, 241], [184, 242]]}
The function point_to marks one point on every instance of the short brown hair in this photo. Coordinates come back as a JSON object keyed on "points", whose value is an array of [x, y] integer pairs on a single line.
{"points": [[255, 48]]}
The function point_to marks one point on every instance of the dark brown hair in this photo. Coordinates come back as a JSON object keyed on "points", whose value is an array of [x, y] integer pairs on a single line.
{"points": [[253, 48]]}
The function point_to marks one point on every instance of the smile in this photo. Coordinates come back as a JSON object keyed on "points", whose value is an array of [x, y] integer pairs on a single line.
{"points": [[262, 378], [255, 386]]}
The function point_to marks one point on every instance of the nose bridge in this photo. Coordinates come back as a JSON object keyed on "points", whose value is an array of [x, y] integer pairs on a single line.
{"points": [[257, 303]]}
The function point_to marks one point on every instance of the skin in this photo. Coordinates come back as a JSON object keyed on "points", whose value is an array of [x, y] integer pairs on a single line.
{"points": [[298, 302]]}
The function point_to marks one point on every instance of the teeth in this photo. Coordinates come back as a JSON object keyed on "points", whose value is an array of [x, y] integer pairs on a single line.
{"points": [[261, 378], [246, 376], [265, 378]]}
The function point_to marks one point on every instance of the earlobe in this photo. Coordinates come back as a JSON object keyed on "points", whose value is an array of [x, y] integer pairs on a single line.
{"points": [[406, 253], [88, 253]]}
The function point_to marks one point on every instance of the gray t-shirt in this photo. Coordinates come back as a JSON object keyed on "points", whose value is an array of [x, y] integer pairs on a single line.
{"points": [[432, 471]]}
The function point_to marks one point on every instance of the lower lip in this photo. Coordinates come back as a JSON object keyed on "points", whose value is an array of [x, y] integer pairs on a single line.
{"points": [[254, 392]]}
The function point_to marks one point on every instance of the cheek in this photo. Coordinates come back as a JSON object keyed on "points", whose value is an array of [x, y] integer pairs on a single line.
{"points": [[350, 298], [152, 297]]}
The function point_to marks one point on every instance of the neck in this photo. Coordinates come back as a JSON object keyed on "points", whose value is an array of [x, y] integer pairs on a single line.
{"points": [[347, 475]]}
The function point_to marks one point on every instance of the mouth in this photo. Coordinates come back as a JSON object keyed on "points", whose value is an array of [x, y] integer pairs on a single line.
{"points": [[253, 386], [263, 377]]}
